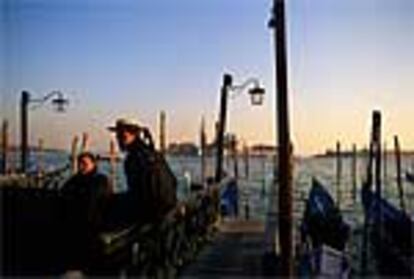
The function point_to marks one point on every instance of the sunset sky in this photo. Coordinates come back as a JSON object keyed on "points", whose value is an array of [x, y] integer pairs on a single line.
{"points": [[134, 58]]}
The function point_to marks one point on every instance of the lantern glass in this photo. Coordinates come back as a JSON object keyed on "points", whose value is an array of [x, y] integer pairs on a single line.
{"points": [[60, 104], [257, 95]]}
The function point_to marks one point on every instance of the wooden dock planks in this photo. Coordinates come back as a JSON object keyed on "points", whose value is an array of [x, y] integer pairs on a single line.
{"points": [[236, 252]]}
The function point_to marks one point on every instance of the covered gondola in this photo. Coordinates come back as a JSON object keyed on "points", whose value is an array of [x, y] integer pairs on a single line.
{"points": [[391, 234], [324, 235]]}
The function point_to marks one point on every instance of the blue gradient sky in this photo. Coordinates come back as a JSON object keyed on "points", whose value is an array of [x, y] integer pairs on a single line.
{"points": [[135, 58]]}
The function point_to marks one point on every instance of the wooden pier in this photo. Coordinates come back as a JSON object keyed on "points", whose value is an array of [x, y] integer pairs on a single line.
{"points": [[236, 251]]}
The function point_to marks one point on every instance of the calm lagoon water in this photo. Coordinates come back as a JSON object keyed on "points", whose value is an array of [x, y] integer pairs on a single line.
{"points": [[257, 186]]}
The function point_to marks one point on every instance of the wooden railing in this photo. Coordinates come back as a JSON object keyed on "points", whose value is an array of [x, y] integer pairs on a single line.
{"points": [[47, 180], [160, 250]]}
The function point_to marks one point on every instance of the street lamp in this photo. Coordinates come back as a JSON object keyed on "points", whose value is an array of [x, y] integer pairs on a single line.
{"points": [[59, 102], [256, 94]]}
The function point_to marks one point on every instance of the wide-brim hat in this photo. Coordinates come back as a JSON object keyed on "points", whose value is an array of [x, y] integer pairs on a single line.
{"points": [[125, 124]]}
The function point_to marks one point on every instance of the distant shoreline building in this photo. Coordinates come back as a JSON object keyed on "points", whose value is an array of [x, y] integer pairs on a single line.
{"points": [[360, 152], [183, 149], [263, 150]]}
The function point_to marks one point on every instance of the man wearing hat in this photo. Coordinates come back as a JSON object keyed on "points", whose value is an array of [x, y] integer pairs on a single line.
{"points": [[137, 143]]}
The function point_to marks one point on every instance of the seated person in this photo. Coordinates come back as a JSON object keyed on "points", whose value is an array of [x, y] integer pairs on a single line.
{"points": [[85, 195]]}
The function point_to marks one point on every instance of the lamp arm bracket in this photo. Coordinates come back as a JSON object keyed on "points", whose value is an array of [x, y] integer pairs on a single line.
{"points": [[237, 89], [42, 100]]}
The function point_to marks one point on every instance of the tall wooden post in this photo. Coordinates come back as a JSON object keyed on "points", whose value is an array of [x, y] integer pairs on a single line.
{"points": [[367, 183], [378, 153], [378, 169], [338, 173], [373, 150], [73, 156], [235, 157], [4, 146], [285, 151], [399, 180], [24, 145], [227, 82], [385, 164], [85, 142], [203, 142], [246, 161], [354, 172], [263, 158], [162, 132], [40, 159]]}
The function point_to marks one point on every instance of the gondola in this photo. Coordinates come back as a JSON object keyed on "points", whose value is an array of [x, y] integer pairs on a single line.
{"points": [[324, 235], [409, 175], [229, 198], [391, 234]]}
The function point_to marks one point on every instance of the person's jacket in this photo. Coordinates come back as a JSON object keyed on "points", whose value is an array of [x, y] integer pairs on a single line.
{"points": [[85, 197], [137, 166]]}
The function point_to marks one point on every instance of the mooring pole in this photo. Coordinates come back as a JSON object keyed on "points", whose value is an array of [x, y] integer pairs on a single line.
{"points": [[203, 142], [5, 146], [263, 161], [227, 82], [24, 148], [246, 161], [354, 172], [385, 160], [235, 157], [338, 173], [40, 159], [376, 122], [367, 183], [85, 142], [73, 156], [398, 165], [162, 132], [277, 22], [377, 141], [378, 169]]}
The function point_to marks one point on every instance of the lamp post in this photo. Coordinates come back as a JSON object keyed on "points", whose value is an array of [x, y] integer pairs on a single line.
{"points": [[256, 93], [277, 23], [59, 102]]}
